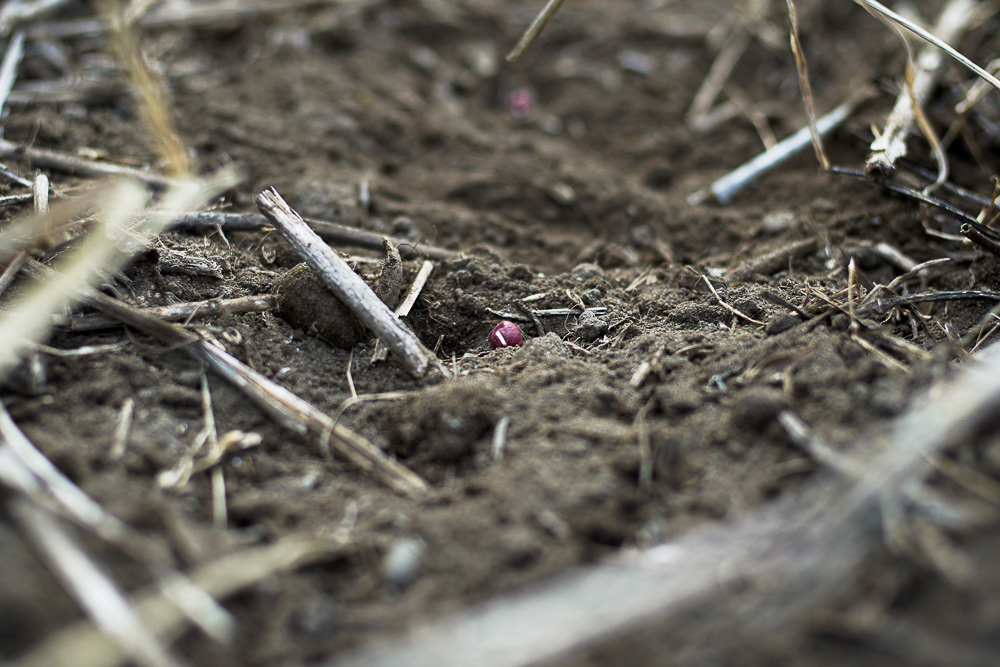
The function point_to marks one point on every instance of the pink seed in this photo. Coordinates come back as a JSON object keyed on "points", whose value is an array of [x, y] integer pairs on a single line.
{"points": [[506, 334]]}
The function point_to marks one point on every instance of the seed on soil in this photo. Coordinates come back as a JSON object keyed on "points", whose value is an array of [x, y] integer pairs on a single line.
{"points": [[506, 334]]}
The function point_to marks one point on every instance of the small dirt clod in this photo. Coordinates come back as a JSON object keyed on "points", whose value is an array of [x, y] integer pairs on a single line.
{"points": [[305, 303]]}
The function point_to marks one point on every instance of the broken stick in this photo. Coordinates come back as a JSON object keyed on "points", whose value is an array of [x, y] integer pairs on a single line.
{"points": [[348, 286]]}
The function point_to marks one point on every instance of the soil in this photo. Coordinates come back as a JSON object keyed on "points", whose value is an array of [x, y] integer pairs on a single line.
{"points": [[560, 182]]}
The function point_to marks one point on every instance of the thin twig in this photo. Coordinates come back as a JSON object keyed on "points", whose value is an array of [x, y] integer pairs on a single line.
{"points": [[728, 307], [93, 590], [411, 298], [289, 410], [348, 286], [8, 69], [534, 30], [180, 312], [72, 164], [890, 144], [881, 10], [725, 189], [331, 232]]}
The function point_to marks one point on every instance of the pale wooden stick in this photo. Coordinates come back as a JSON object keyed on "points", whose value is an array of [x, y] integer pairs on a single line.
{"points": [[8, 69], [328, 231], [411, 298], [348, 286], [81, 645], [91, 588], [76, 165], [181, 312], [534, 30], [290, 410], [890, 145]]}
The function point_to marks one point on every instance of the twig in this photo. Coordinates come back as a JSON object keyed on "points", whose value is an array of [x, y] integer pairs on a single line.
{"points": [[771, 262], [288, 409], [8, 69], [180, 312], [789, 556], [890, 145], [328, 231], [534, 30], [728, 307], [909, 192], [981, 236], [879, 9], [414, 293], [122, 429], [698, 116], [81, 646], [18, 12], [76, 165], [726, 188], [499, 443], [805, 87], [411, 298], [348, 286], [93, 590]]}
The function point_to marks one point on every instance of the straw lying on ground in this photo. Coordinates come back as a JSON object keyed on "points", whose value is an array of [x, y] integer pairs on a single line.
{"points": [[290, 410], [348, 286]]}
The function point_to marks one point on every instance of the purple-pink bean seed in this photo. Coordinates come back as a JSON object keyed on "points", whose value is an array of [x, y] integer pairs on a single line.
{"points": [[506, 334]]}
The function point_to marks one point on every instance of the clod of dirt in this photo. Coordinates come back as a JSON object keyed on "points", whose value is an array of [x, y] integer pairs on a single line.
{"points": [[549, 345], [306, 303], [390, 281], [590, 327], [447, 423], [586, 271], [757, 408], [780, 323]]}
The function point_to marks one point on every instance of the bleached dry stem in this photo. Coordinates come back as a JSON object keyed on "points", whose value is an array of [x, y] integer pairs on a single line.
{"points": [[788, 556], [890, 145], [348, 286]]}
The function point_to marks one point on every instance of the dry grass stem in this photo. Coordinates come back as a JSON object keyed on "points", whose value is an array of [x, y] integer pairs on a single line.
{"points": [[92, 589], [890, 145], [148, 92], [8, 68], [72, 164], [330, 232], [81, 645], [534, 30], [805, 87], [799, 550], [882, 12], [179, 312], [726, 188], [348, 286]]}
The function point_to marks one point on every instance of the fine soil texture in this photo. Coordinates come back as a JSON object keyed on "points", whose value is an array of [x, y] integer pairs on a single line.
{"points": [[685, 364]]}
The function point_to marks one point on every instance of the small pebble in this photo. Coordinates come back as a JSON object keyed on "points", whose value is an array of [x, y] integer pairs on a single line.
{"points": [[586, 271], [402, 562], [590, 327], [592, 296]]}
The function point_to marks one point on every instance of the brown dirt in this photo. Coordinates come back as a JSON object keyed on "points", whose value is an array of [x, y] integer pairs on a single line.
{"points": [[583, 200]]}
